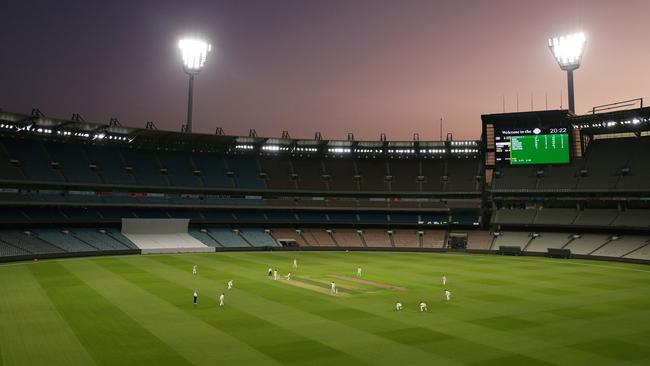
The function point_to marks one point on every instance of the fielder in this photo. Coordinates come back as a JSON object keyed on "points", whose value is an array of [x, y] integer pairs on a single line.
{"points": [[221, 298], [423, 307], [447, 295], [295, 263], [229, 284], [398, 306], [333, 288], [359, 270], [194, 269], [444, 280]]}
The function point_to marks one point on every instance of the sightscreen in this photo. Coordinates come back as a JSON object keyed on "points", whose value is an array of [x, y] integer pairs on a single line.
{"points": [[539, 149]]}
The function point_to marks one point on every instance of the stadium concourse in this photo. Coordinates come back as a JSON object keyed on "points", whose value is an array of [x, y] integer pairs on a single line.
{"points": [[536, 181]]}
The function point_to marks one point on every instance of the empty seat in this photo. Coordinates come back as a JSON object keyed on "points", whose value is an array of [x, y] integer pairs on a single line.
{"points": [[318, 237], [596, 217], [146, 168], [180, 170], [373, 174], [514, 216], [309, 173], [461, 175], [433, 239], [560, 177], [341, 172], [29, 243], [479, 239], [100, 240], [404, 173], [633, 219], [407, 238], [347, 238], [246, 172], [288, 234], [278, 172], [203, 236], [548, 240], [512, 239], [587, 243], [258, 237], [63, 240], [555, 216], [7, 169], [432, 172], [213, 170], [621, 246], [110, 166], [72, 162], [228, 238], [602, 165], [34, 161], [376, 238]]}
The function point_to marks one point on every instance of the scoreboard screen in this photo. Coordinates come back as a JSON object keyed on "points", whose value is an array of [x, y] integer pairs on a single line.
{"points": [[539, 149], [533, 146]]}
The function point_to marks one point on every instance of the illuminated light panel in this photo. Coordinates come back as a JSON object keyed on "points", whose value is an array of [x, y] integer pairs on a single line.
{"points": [[339, 150], [463, 143], [194, 53], [244, 147], [568, 50], [464, 151], [401, 151], [275, 148]]}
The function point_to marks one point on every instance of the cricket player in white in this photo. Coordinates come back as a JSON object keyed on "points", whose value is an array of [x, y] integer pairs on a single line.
{"points": [[333, 287], [398, 306], [288, 276], [275, 274], [359, 270], [447, 295], [444, 280], [229, 284], [423, 307], [196, 296], [221, 298], [194, 269], [295, 263]]}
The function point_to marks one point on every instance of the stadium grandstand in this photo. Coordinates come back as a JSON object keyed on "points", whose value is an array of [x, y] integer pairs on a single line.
{"points": [[68, 187]]}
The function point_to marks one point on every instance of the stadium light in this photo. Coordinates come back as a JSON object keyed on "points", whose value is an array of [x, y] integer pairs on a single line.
{"points": [[194, 53], [568, 51]]}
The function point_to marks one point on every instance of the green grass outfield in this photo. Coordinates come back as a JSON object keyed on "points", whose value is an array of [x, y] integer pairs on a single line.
{"points": [[137, 310]]}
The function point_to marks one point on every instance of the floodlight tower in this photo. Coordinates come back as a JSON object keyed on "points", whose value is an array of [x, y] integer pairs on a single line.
{"points": [[568, 53], [194, 52]]}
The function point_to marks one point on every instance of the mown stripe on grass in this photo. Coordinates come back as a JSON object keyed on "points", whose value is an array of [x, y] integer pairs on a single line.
{"points": [[615, 349], [274, 341], [108, 334], [32, 332], [446, 346], [443, 345], [192, 338], [286, 313]]}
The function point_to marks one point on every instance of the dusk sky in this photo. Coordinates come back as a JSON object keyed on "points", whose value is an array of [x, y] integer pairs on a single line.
{"points": [[364, 67]]}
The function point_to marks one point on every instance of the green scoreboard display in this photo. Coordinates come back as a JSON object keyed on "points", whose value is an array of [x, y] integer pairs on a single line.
{"points": [[529, 146], [539, 149]]}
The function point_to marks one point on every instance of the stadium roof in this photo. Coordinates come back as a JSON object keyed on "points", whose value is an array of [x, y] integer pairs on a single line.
{"points": [[36, 124]]}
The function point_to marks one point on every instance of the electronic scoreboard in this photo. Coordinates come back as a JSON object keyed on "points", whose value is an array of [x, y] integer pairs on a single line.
{"points": [[538, 145]]}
